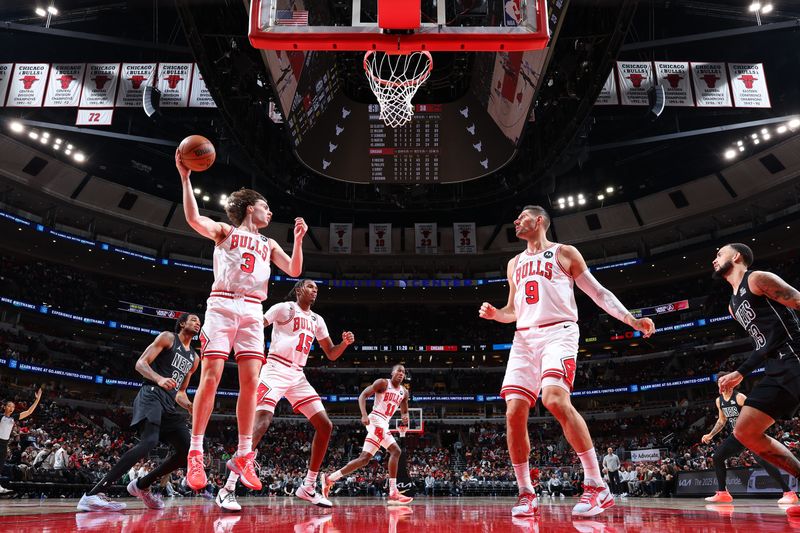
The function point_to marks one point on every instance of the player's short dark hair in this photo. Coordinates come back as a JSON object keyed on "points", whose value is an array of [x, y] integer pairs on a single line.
{"points": [[744, 251], [238, 202], [180, 323], [292, 296], [539, 211]]}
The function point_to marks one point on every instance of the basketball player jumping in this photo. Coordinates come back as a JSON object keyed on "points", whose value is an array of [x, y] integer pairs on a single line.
{"points": [[543, 355], [765, 306], [729, 405], [294, 328], [234, 315], [389, 395], [166, 365]]}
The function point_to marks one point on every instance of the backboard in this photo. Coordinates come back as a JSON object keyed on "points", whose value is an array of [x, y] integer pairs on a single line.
{"points": [[416, 425], [399, 25]]}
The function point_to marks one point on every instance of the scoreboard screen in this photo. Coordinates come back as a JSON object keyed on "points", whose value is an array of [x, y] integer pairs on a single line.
{"points": [[408, 154]]}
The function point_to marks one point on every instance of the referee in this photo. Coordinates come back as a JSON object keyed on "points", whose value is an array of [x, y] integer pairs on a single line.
{"points": [[7, 422]]}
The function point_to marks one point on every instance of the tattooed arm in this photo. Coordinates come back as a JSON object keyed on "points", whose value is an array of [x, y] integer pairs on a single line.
{"points": [[773, 287], [717, 427]]}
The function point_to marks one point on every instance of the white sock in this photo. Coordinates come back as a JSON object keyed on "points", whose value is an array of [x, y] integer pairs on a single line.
{"points": [[230, 485], [392, 485], [197, 443], [311, 479], [591, 469], [245, 444], [336, 476], [522, 471]]}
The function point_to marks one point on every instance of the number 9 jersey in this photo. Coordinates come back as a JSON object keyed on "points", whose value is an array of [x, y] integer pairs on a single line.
{"points": [[293, 332]]}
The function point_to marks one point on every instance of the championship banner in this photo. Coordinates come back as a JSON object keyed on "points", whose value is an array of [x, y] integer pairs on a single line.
{"points": [[64, 85], [642, 456], [5, 78], [200, 96], [674, 77], [380, 238], [133, 79], [28, 85], [340, 238], [464, 238], [141, 309], [426, 239], [100, 85], [710, 82], [749, 85], [608, 94], [173, 82], [635, 78]]}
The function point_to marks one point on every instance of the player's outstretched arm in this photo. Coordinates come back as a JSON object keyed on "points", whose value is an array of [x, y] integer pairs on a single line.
{"points": [[203, 225], [334, 352], [404, 411], [720, 423], [378, 386], [163, 341], [601, 296], [773, 287], [293, 265], [29, 411], [181, 397], [505, 314]]}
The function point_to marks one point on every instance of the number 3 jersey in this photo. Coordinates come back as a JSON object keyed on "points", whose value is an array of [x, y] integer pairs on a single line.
{"points": [[242, 265], [293, 332], [544, 292]]}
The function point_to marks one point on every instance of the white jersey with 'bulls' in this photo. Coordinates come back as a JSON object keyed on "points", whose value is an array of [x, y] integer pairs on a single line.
{"points": [[544, 291], [293, 332], [242, 264], [387, 402]]}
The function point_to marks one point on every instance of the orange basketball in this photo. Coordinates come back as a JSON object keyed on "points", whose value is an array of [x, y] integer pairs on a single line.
{"points": [[197, 153]]}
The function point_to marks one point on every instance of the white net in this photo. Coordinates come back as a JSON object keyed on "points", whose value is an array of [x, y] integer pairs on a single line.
{"points": [[395, 78]]}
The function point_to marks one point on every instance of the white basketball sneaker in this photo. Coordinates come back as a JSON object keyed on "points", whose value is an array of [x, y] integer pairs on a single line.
{"points": [[226, 500], [527, 505], [99, 502], [594, 500], [150, 500], [314, 497]]}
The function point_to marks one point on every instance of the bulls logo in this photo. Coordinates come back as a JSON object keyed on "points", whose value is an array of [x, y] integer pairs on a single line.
{"points": [[66, 80], [548, 254], [379, 433], [340, 233], [637, 79], [173, 79], [426, 233], [380, 234], [748, 80], [100, 81], [136, 80], [570, 366], [27, 81], [674, 80], [711, 80]]}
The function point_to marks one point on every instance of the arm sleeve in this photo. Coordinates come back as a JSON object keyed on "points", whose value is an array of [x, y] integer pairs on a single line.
{"points": [[751, 363], [601, 296]]}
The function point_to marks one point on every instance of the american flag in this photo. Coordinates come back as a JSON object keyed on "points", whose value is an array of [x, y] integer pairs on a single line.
{"points": [[287, 17]]}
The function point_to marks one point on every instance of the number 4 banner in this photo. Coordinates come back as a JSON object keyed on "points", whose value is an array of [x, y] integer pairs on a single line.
{"points": [[94, 117]]}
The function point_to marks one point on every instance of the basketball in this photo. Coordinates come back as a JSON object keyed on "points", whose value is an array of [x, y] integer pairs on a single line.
{"points": [[197, 153]]}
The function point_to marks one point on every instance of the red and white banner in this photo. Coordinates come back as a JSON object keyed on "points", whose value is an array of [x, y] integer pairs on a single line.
{"points": [[673, 76], [64, 85], [5, 78], [28, 84], [749, 85], [464, 238], [340, 238], [635, 78], [426, 238], [100, 85], [380, 238], [174, 80], [608, 94], [710, 82], [94, 117], [200, 96], [132, 81]]}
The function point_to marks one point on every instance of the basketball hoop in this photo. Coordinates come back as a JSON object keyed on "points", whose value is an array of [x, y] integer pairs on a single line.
{"points": [[402, 431], [395, 78]]}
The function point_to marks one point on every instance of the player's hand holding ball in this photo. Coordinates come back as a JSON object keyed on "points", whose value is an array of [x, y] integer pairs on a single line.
{"points": [[348, 338], [300, 228], [167, 383], [487, 311], [365, 420]]}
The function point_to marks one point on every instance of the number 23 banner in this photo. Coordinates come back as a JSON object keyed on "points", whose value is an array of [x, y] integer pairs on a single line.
{"points": [[426, 238]]}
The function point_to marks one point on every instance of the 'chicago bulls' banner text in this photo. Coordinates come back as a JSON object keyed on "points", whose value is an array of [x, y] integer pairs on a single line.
{"points": [[608, 94], [64, 87], [340, 238], [674, 77], [28, 84], [426, 238], [5, 77], [749, 85], [134, 78], [173, 82], [465, 240], [635, 78], [100, 85], [200, 96], [380, 238], [711, 85]]}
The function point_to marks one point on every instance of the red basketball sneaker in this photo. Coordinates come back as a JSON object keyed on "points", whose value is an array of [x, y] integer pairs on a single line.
{"points": [[395, 498], [527, 506], [244, 465], [793, 512], [196, 471], [721, 496], [594, 500]]}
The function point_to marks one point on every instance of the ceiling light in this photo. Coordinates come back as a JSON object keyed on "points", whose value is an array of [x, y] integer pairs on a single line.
{"points": [[222, 201], [79, 157], [609, 190], [794, 123], [767, 136], [755, 6], [781, 129], [206, 198], [56, 147], [766, 9], [601, 197], [730, 154], [41, 12], [43, 140], [67, 151], [741, 148], [570, 199], [572, 204], [580, 196], [764, 131], [58, 141], [70, 146], [52, 10], [224, 197], [739, 143], [561, 200], [33, 135], [46, 135], [197, 190], [756, 141], [17, 127], [581, 201]]}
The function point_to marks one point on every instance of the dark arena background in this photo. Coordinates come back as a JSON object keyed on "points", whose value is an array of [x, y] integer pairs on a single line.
{"points": [[653, 134]]}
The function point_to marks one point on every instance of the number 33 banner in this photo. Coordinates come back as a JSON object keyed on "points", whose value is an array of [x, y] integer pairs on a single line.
{"points": [[464, 241]]}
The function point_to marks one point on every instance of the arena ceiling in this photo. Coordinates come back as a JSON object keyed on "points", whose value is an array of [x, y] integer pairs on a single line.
{"points": [[571, 147]]}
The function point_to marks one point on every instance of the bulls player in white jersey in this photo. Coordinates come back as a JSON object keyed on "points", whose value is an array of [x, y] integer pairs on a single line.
{"points": [[389, 395], [294, 328], [541, 300], [233, 315]]}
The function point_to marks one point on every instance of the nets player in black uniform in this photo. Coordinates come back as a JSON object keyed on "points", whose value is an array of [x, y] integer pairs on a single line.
{"points": [[729, 406], [765, 306], [166, 365]]}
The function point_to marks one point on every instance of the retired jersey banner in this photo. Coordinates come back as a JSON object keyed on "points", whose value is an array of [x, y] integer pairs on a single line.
{"points": [[749, 85], [132, 81], [100, 85], [64, 86], [5, 78], [426, 239], [464, 240], [674, 78], [380, 238], [608, 94], [173, 82], [635, 78], [94, 117], [340, 238], [200, 97], [28, 85], [710, 82]]}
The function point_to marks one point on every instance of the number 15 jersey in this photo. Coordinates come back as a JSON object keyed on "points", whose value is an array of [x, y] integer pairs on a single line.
{"points": [[544, 292], [293, 332], [242, 264]]}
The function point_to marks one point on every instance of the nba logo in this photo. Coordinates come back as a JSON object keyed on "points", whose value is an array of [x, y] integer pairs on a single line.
{"points": [[512, 13]]}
